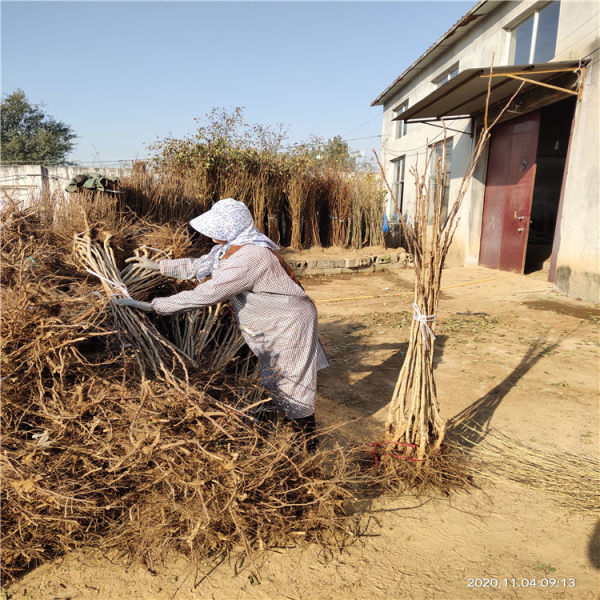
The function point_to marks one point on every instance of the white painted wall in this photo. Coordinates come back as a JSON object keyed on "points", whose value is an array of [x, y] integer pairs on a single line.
{"points": [[482, 46], [578, 261], [24, 183]]}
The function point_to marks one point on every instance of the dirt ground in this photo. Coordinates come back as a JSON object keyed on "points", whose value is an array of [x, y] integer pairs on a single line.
{"points": [[526, 356]]}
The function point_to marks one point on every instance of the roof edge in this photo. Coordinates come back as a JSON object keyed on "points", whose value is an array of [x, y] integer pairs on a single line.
{"points": [[431, 106], [466, 20]]}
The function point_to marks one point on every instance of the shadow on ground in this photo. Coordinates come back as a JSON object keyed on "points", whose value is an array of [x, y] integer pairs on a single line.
{"points": [[349, 354], [470, 426], [594, 547]]}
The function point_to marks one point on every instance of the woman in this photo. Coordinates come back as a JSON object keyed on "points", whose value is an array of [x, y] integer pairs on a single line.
{"points": [[277, 319]]}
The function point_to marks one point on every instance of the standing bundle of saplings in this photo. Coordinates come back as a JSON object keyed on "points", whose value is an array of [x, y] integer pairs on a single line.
{"points": [[296, 194], [414, 428]]}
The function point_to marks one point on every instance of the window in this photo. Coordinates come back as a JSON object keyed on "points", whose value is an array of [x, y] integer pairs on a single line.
{"points": [[446, 76], [534, 40], [401, 126], [398, 185], [545, 45], [440, 153]]}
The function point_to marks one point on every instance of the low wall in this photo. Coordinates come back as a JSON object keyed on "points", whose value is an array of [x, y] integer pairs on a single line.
{"points": [[398, 259], [26, 183]]}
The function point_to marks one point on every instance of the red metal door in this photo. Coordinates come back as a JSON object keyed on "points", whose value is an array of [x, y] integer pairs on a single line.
{"points": [[508, 193]]}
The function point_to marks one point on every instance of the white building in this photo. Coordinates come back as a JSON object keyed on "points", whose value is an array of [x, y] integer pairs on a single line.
{"points": [[534, 199]]}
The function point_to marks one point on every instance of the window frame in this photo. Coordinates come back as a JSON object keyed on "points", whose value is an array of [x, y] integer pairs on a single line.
{"points": [[514, 25], [401, 128], [449, 74], [432, 176], [398, 184]]}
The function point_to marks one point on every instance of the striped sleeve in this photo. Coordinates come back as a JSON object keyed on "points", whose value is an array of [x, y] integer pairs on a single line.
{"points": [[188, 268], [230, 279]]}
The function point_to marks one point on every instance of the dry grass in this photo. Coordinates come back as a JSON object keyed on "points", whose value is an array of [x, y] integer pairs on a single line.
{"points": [[99, 449], [571, 480]]}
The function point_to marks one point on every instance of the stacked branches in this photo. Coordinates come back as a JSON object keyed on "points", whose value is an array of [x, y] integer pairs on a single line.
{"points": [[100, 450], [151, 350], [366, 211]]}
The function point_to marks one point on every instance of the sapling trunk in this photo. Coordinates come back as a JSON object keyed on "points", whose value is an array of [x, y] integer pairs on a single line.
{"points": [[414, 424]]}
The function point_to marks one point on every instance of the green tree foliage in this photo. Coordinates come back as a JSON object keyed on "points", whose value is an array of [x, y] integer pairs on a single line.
{"points": [[223, 140], [230, 128], [28, 135], [336, 153], [225, 144]]}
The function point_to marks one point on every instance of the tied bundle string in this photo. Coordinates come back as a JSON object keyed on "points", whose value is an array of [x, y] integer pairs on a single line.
{"points": [[375, 456], [121, 288], [423, 319]]}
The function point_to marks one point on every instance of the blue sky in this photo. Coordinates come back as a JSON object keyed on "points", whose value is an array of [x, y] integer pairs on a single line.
{"points": [[123, 74]]}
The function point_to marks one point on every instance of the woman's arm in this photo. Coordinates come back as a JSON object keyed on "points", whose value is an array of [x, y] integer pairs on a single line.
{"points": [[188, 268], [231, 278]]}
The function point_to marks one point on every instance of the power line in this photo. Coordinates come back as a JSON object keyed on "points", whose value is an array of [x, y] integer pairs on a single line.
{"points": [[368, 137], [361, 125]]}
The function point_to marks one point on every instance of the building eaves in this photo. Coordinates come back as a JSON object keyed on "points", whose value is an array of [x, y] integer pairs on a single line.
{"points": [[479, 10]]}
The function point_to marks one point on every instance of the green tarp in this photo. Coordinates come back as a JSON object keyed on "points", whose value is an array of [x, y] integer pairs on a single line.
{"points": [[92, 181]]}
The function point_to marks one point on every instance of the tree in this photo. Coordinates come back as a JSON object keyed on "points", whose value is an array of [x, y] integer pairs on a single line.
{"points": [[30, 135], [231, 129], [221, 134], [336, 152]]}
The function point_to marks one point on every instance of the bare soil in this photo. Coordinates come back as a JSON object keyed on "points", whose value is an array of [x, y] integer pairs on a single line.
{"points": [[528, 358]]}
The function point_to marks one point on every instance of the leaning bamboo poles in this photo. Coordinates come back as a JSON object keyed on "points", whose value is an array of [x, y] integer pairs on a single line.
{"points": [[340, 200], [414, 421], [296, 194]]}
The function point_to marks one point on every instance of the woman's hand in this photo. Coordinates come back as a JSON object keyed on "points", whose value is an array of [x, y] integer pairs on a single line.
{"points": [[141, 262], [145, 306]]}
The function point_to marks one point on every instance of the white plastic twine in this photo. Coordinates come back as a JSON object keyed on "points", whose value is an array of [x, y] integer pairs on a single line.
{"points": [[423, 320], [121, 288]]}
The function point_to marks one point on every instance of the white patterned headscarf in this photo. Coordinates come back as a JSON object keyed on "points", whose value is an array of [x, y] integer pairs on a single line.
{"points": [[230, 221]]}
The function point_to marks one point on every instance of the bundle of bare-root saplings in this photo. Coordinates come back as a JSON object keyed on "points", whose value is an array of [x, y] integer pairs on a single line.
{"points": [[127, 431]]}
